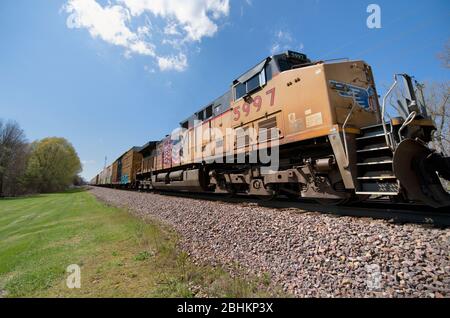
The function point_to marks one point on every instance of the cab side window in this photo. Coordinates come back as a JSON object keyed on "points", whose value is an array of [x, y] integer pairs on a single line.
{"points": [[209, 112], [269, 73], [240, 90], [251, 85]]}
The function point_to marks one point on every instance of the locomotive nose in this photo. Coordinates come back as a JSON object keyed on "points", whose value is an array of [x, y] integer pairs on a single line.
{"points": [[419, 171]]}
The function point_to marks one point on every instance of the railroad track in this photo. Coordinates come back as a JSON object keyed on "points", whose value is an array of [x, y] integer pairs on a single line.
{"points": [[394, 212]]}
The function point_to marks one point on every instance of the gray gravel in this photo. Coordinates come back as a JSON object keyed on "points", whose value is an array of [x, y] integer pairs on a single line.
{"points": [[308, 254]]}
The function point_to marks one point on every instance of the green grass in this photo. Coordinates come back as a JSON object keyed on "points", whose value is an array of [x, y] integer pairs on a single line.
{"points": [[119, 255]]}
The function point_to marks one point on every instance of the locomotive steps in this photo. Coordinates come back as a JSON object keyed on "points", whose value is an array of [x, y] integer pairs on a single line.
{"points": [[375, 159]]}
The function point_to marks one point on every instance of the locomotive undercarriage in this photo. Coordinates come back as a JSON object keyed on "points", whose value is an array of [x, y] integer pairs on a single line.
{"points": [[316, 169], [314, 176]]}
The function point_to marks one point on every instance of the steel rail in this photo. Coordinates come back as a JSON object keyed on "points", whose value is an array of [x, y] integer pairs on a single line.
{"points": [[400, 213]]}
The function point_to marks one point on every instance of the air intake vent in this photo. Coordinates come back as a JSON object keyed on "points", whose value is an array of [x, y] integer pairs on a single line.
{"points": [[266, 129], [242, 137]]}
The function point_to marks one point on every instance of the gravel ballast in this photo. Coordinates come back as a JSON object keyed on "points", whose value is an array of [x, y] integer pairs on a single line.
{"points": [[307, 254]]}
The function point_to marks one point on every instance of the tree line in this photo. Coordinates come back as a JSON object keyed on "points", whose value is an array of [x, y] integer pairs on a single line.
{"points": [[43, 166]]}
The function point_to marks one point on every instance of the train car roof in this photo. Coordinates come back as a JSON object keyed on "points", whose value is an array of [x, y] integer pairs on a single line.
{"points": [[134, 149], [224, 100], [260, 66], [147, 149], [188, 119], [253, 71], [150, 144]]}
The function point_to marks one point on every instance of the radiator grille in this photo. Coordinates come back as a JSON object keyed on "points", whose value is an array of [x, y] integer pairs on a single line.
{"points": [[266, 129], [242, 137]]}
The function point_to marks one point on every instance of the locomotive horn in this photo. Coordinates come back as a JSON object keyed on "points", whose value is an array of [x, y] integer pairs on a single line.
{"points": [[417, 168]]}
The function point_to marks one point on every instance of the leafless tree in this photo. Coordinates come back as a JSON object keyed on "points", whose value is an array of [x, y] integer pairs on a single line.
{"points": [[13, 158], [445, 55], [437, 101]]}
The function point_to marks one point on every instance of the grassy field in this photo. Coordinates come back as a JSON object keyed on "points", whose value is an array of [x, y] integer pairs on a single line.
{"points": [[119, 255]]}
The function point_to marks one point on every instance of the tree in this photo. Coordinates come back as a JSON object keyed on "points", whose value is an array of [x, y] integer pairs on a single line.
{"points": [[437, 99], [78, 181], [13, 158], [53, 165], [437, 102], [445, 55]]}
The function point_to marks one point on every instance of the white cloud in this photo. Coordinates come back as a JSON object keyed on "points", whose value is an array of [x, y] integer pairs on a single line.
{"points": [[186, 21], [248, 3], [275, 48], [143, 31], [108, 23], [171, 29], [284, 36], [149, 69], [177, 63], [195, 17], [283, 41]]}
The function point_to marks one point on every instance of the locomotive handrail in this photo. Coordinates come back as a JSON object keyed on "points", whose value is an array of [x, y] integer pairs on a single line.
{"points": [[344, 133], [383, 110], [407, 122]]}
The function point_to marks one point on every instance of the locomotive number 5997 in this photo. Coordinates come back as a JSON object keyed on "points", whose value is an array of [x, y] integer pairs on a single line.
{"points": [[257, 102]]}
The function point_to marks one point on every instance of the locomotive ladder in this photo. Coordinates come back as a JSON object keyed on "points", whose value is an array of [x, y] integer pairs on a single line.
{"points": [[375, 162]]}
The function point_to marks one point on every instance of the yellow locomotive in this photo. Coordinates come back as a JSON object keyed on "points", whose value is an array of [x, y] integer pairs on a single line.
{"points": [[290, 126]]}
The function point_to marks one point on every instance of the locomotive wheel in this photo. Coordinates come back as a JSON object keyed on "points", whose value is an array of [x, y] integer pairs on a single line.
{"points": [[231, 192], [267, 198], [292, 193]]}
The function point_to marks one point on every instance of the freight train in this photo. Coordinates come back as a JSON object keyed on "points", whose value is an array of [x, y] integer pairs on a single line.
{"points": [[299, 128]]}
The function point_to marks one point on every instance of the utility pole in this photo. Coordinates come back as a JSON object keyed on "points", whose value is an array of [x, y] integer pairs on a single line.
{"points": [[106, 159]]}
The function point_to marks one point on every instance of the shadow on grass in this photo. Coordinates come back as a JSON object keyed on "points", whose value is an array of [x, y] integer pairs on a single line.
{"points": [[44, 195], [24, 197], [76, 190]]}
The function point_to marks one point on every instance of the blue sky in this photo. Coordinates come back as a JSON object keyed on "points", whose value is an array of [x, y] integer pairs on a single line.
{"points": [[109, 75]]}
